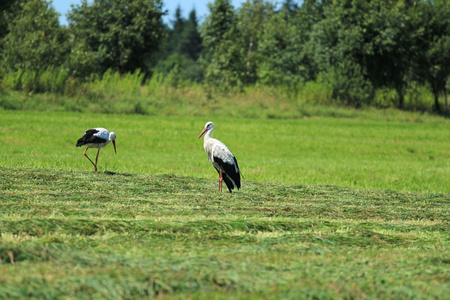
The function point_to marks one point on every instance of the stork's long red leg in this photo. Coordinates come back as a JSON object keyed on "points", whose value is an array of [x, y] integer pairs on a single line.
{"points": [[95, 166], [220, 181], [96, 159]]}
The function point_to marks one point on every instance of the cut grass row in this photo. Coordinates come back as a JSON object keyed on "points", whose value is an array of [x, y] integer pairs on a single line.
{"points": [[109, 235], [365, 151]]}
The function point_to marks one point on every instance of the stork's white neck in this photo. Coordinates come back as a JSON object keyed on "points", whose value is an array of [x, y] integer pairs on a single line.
{"points": [[208, 134], [112, 136]]}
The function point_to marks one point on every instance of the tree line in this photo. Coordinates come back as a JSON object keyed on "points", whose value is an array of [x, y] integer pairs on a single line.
{"points": [[356, 47]]}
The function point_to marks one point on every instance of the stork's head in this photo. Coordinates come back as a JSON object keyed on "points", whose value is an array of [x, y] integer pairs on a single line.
{"points": [[112, 137], [209, 126]]}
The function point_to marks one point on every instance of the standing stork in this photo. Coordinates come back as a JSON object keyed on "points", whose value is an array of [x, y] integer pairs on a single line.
{"points": [[221, 158], [96, 138]]}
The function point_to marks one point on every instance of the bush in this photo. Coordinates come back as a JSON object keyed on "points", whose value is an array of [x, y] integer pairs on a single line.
{"points": [[51, 80], [349, 87], [113, 85], [180, 68], [318, 91]]}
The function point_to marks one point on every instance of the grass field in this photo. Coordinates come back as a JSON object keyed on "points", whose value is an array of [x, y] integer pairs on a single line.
{"points": [[357, 152], [330, 208], [73, 234]]}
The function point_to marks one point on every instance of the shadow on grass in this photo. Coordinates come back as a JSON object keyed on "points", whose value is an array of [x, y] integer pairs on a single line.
{"points": [[116, 173]]}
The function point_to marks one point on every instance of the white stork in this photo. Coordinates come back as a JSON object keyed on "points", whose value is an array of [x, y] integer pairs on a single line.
{"points": [[222, 159], [96, 138]]}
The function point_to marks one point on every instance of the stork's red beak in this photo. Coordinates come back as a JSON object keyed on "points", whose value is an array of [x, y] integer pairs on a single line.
{"points": [[114, 144], [204, 130]]}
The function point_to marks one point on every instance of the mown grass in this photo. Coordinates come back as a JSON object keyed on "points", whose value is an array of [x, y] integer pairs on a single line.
{"points": [[80, 234], [351, 204], [366, 150]]}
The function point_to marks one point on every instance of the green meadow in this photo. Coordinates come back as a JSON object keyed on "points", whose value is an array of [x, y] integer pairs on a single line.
{"points": [[353, 206], [354, 152]]}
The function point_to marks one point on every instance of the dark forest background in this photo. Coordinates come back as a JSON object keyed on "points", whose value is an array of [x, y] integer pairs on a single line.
{"points": [[360, 50]]}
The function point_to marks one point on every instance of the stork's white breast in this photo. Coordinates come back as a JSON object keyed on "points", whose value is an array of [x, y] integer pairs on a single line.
{"points": [[215, 148]]}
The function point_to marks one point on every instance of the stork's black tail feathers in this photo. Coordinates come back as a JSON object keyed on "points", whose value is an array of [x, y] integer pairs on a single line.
{"points": [[229, 183], [230, 176]]}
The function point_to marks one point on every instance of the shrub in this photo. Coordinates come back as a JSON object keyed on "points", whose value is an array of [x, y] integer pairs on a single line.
{"points": [[349, 87]]}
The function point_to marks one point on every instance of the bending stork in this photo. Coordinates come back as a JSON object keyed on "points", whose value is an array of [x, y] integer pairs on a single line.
{"points": [[96, 138], [222, 159]]}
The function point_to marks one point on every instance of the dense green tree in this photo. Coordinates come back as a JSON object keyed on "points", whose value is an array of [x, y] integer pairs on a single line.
{"points": [[181, 50], [284, 45], [175, 34], [191, 41], [250, 21], [184, 37], [222, 54], [376, 35], [432, 20], [282, 52], [337, 42], [218, 23], [5, 9], [289, 7], [178, 23], [388, 48], [232, 39], [121, 35], [34, 40]]}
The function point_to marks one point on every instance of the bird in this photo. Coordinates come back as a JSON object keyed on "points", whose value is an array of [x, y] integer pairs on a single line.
{"points": [[96, 138], [221, 158]]}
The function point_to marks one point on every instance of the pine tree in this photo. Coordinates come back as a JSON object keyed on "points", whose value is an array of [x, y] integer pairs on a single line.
{"points": [[191, 42]]}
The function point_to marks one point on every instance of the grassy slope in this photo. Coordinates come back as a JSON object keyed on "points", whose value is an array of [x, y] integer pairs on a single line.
{"points": [[358, 152], [317, 216], [71, 233]]}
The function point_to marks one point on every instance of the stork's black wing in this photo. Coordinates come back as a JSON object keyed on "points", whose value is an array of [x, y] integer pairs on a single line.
{"points": [[230, 175], [90, 138]]}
